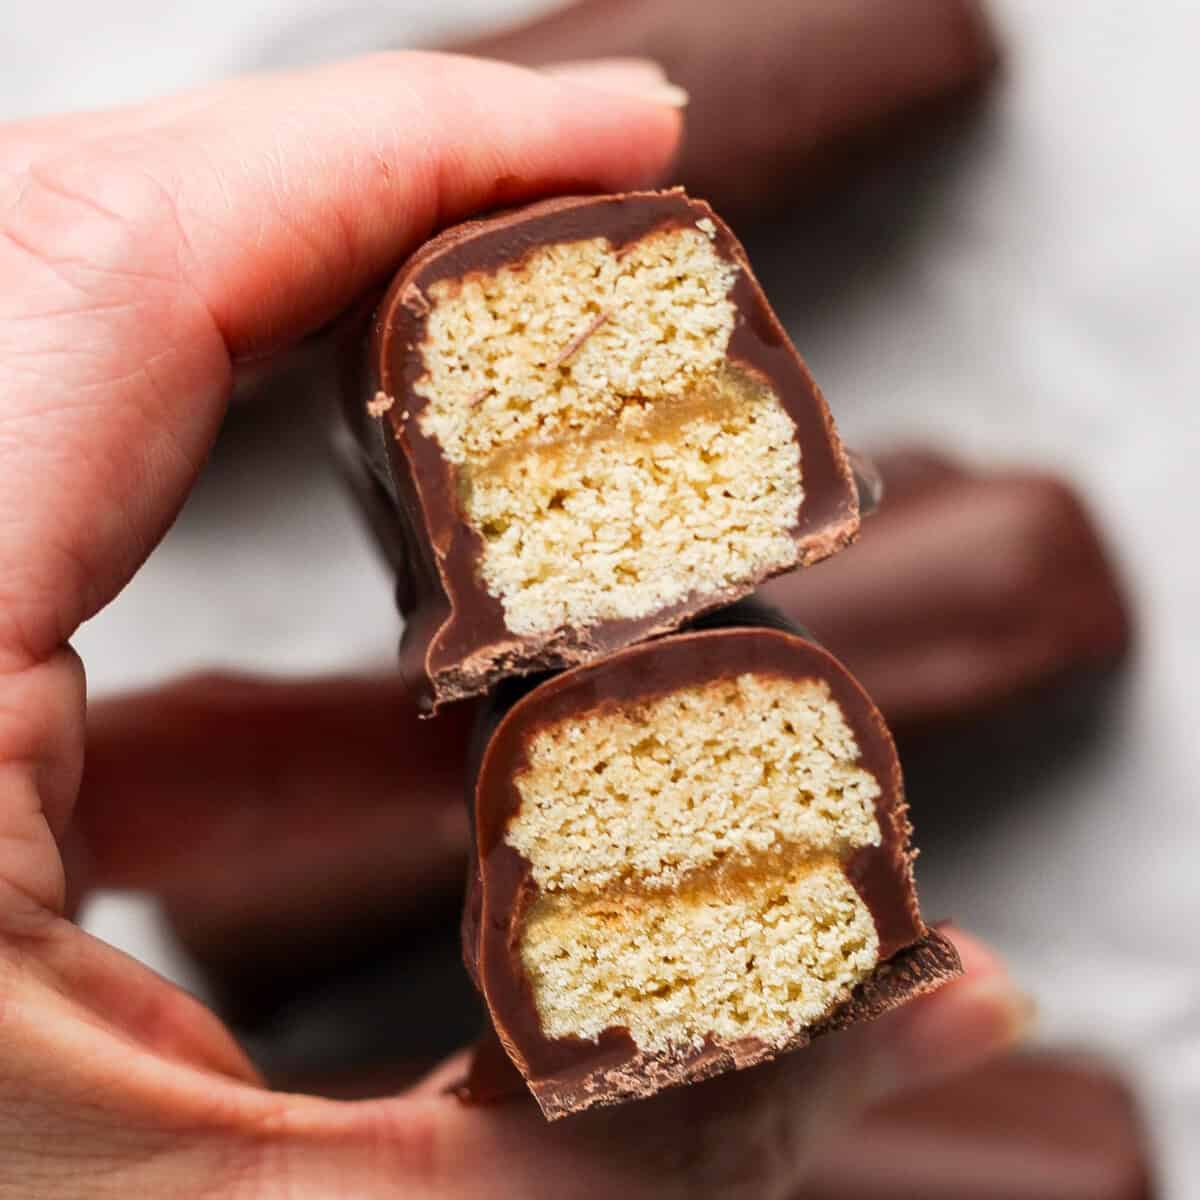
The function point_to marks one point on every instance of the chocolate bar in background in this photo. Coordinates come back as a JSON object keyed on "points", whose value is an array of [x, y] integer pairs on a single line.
{"points": [[788, 100], [1032, 1126], [591, 428], [689, 857], [781, 90], [967, 592]]}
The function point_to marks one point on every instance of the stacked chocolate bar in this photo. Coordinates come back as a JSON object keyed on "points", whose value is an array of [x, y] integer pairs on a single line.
{"points": [[584, 437]]}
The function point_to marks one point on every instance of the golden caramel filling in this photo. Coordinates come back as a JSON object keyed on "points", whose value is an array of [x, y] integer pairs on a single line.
{"points": [[689, 853]]}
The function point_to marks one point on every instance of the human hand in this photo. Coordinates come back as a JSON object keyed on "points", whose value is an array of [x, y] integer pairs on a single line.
{"points": [[144, 255]]}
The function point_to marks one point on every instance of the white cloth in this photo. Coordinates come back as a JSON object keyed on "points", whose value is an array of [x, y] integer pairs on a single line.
{"points": [[1037, 303]]}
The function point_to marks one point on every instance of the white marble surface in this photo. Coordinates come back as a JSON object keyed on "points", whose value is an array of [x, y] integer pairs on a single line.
{"points": [[1038, 302]]}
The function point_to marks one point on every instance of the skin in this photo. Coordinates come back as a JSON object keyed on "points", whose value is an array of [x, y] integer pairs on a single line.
{"points": [[147, 255]]}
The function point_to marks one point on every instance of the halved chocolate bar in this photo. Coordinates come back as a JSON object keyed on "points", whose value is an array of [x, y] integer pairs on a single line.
{"points": [[591, 427], [690, 857]]}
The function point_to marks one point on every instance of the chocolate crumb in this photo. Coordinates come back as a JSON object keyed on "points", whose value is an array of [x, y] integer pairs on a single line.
{"points": [[379, 404]]}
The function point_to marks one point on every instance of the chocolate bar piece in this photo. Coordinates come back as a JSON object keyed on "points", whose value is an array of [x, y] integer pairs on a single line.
{"points": [[786, 87], [590, 427], [690, 857], [967, 591], [1027, 1127]]}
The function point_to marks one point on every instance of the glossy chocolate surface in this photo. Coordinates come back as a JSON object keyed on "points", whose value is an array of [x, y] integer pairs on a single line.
{"points": [[567, 1074], [456, 643]]}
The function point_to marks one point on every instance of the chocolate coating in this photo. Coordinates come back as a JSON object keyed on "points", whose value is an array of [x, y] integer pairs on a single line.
{"points": [[456, 643], [785, 90], [569, 1074]]}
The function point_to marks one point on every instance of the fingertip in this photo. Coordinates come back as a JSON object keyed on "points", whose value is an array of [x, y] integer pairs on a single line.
{"points": [[637, 113], [978, 958], [971, 1019]]}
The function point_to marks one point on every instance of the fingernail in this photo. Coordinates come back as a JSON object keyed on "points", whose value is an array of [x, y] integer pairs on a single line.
{"points": [[641, 78]]}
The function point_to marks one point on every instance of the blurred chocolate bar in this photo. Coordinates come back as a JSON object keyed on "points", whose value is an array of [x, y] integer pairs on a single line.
{"points": [[779, 88], [966, 592], [1027, 1127]]}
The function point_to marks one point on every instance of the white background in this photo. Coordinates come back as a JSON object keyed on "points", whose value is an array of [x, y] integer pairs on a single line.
{"points": [[1036, 302]]}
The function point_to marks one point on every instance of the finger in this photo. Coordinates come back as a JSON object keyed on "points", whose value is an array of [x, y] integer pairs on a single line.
{"points": [[41, 751], [155, 1120], [137, 264], [945, 1034], [465, 134], [29, 140], [114, 1077], [107, 989], [295, 804]]}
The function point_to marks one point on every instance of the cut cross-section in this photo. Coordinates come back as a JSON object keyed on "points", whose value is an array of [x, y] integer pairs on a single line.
{"points": [[596, 428], [691, 856]]}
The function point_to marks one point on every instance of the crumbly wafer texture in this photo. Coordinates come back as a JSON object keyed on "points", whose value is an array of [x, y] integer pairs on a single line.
{"points": [[609, 456], [726, 959], [553, 344], [592, 429], [690, 857]]}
